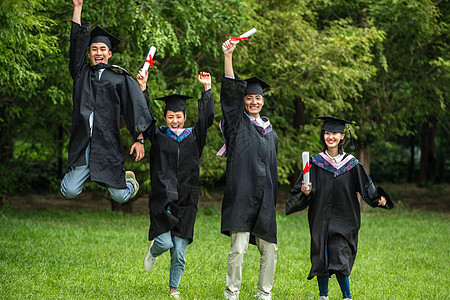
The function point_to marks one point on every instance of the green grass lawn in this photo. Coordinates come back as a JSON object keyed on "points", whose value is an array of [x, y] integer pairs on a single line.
{"points": [[98, 255]]}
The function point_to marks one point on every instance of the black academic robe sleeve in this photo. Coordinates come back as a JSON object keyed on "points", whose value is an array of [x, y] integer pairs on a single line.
{"points": [[134, 107], [80, 35], [298, 200], [232, 110], [147, 99], [368, 191], [205, 118]]}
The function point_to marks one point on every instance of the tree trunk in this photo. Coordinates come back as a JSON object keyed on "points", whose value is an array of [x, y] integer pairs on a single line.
{"points": [[363, 155], [127, 207], [59, 151], [6, 139], [299, 116], [427, 158], [412, 164], [115, 206], [299, 120]]}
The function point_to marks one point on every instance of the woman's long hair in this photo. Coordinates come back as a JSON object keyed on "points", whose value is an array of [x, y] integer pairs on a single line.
{"points": [[324, 145]]}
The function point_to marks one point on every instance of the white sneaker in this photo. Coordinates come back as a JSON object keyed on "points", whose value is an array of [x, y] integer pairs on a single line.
{"points": [[261, 296], [347, 299], [231, 296], [175, 295], [323, 298], [149, 260]]}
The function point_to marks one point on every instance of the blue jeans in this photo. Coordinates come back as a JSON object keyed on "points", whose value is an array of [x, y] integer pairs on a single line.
{"points": [[343, 281], [177, 247], [72, 183]]}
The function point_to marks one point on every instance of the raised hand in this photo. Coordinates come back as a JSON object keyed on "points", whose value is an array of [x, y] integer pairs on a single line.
{"points": [[205, 79], [142, 80], [229, 46]]}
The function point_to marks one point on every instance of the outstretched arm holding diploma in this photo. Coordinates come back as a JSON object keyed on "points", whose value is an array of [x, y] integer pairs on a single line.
{"points": [[228, 61]]}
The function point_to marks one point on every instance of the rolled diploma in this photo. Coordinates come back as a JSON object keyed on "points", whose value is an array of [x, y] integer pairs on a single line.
{"points": [[151, 54], [247, 34], [305, 159]]}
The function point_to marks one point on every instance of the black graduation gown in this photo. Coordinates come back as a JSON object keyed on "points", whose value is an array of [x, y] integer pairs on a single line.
{"points": [[108, 98], [334, 212], [174, 174], [251, 175]]}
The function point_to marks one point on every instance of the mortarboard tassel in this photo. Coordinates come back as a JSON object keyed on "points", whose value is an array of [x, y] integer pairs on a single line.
{"points": [[179, 89]]}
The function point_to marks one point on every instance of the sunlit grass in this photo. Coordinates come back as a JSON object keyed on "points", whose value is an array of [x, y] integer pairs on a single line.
{"points": [[80, 255]]}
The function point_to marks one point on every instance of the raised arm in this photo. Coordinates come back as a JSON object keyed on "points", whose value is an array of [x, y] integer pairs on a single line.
{"points": [[205, 111], [78, 6], [79, 41], [228, 58], [205, 79]]}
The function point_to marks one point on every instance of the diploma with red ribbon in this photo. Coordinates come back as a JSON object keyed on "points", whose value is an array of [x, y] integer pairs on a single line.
{"points": [[242, 37], [149, 60], [306, 167]]}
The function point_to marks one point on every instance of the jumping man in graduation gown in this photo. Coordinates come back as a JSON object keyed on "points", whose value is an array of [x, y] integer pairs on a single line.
{"points": [[174, 173], [334, 210], [248, 207], [100, 97]]}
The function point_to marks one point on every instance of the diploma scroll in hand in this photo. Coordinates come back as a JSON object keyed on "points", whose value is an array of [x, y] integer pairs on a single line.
{"points": [[243, 36], [306, 167], [149, 60]]}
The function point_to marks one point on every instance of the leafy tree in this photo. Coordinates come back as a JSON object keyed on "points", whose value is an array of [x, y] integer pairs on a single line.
{"points": [[37, 94], [24, 43], [314, 66], [384, 64], [407, 89]]}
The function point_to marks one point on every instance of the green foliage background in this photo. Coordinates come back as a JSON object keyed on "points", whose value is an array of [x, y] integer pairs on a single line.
{"points": [[384, 64]]}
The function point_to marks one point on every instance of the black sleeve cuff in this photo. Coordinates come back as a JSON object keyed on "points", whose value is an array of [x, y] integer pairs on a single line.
{"points": [[381, 192]]}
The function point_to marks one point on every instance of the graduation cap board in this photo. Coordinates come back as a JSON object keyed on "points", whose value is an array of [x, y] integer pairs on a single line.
{"points": [[100, 35], [333, 124], [175, 102], [255, 86]]}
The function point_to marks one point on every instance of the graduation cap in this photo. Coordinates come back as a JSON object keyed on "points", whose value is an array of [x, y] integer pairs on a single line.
{"points": [[333, 124], [175, 102], [255, 86], [100, 35]]}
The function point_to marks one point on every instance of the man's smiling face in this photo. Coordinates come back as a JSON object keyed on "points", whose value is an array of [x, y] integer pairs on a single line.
{"points": [[99, 53], [253, 104]]}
